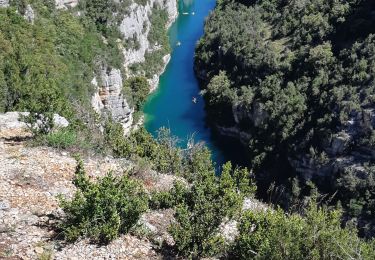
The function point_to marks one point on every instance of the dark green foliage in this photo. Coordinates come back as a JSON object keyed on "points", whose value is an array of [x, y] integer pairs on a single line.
{"points": [[291, 76], [208, 202], [47, 67], [104, 209], [169, 199], [318, 235], [105, 14], [157, 34], [30, 74], [356, 191], [139, 89]]}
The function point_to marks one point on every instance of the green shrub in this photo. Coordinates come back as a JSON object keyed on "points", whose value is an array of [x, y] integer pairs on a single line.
{"points": [[209, 201], [139, 90], [318, 235], [169, 199], [62, 139], [104, 209]]}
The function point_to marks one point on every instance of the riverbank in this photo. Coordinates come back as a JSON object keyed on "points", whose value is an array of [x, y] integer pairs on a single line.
{"points": [[170, 105]]}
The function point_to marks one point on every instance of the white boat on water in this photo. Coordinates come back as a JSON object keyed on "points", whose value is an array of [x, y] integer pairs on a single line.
{"points": [[178, 43], [185, 13], [192, 13]]}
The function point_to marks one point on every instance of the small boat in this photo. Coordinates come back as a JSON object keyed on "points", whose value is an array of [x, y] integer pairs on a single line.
{"points": [[185, 13], [178, 43], [192, 13], [194, 100]]}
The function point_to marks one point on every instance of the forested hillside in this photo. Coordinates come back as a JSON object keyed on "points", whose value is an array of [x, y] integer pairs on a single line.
{"points": [[72, 57], [294, 81], [288, 77]]}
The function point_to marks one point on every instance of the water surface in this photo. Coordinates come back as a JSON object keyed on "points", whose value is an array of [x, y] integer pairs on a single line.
{"points": [[171, 104]]}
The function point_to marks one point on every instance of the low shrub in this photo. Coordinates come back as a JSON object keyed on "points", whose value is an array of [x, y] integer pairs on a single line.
{"points": [[104, 209], [62, 139], [210, 200], [169, 199], [317, 235]]}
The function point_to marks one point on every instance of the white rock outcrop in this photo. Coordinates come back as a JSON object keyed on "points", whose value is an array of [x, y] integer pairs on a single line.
{"points": [[11, 123], [29, 14], [135, 25], [110, 100], [65, 4], [4, 3]]}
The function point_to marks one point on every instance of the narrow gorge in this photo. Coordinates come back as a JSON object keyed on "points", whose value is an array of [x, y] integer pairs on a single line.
{"points": [[187, 129]]}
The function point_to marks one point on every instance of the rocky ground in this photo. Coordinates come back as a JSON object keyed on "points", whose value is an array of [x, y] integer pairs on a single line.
{"points": [[30, 180]]}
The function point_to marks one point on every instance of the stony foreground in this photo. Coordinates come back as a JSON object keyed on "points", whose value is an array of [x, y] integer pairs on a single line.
{"points": [[32, 177]]}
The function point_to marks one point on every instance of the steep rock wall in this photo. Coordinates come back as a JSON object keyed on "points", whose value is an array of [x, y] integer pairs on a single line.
{"points": [[4, 3], [134, 25], [137, 26], [109, 99]]}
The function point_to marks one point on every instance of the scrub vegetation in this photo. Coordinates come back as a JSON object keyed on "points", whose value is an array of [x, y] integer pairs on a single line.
{"points": [[296, 77], [306, 73]]}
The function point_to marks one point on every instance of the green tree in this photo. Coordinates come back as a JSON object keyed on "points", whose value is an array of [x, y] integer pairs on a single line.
{"points": [[139, 89]]}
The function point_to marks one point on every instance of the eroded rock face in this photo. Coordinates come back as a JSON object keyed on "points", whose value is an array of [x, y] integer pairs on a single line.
{"points": [[29, 14], [342, 149], [65, 4], [4, 3], [136, 25], [110, 100]]}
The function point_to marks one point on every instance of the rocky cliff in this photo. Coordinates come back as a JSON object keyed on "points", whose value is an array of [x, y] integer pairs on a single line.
{"points": [[135, 26], [4, 3]]}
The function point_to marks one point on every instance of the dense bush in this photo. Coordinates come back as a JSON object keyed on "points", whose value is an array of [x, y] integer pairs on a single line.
{"points": [[138, 88], [104, 209], [47, 66], [293, 75], [205, 206], [169, 199], [318, 235], [162, 152]]}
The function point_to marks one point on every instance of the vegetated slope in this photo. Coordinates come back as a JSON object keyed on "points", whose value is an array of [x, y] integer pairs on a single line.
{"points": [[294, 80], [74, 57], [54, 207]]}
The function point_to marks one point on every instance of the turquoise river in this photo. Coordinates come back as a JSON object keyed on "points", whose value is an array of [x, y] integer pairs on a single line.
{"points": [[171, 105]]}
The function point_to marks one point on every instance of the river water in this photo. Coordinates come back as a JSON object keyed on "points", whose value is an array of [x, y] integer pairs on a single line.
{"points": [[171, 104]]}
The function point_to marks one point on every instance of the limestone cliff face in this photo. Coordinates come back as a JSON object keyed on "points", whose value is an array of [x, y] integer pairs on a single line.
{"points": [[134, 25], [109, 99], [4, 3], [65, 4], [342, 149]]}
